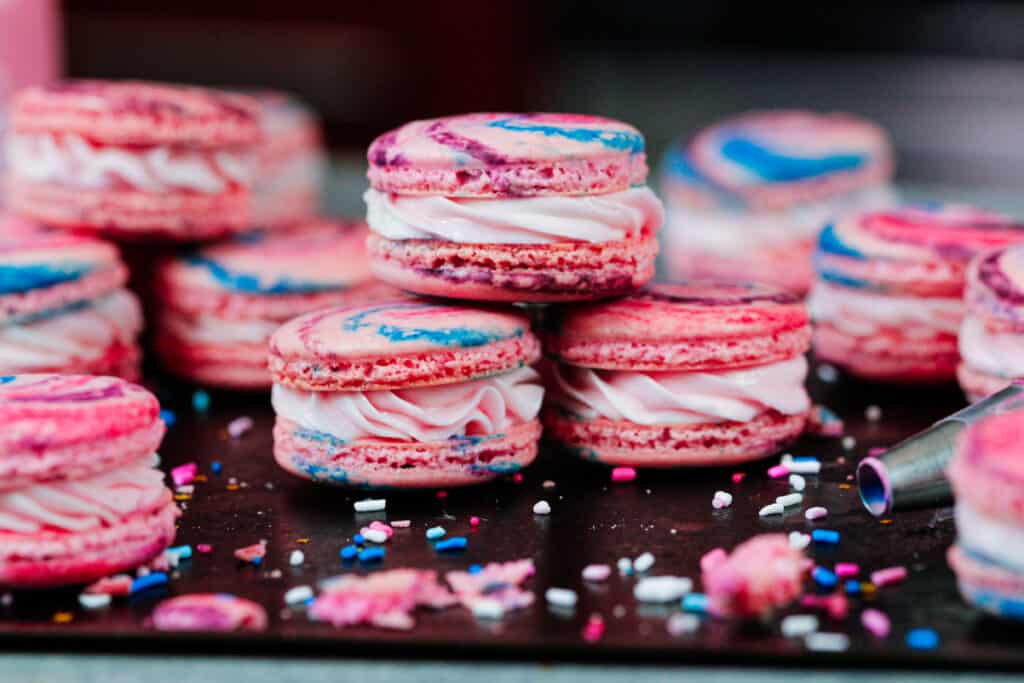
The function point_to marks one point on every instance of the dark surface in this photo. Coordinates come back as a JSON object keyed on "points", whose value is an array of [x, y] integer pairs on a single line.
{"points": [[592, 521]]}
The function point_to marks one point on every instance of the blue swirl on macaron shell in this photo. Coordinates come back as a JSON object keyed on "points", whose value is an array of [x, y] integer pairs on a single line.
{"points": [[458, 336], [17, 279], [618, 140], [251, 283]]}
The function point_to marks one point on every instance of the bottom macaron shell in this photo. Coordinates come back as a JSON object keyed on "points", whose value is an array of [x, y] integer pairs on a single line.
{"points": [[119, 360], [988, 587], [977, 384], [787, 265], [374, 463], [890, 356], [52, 559], [567, 271], [619, 442], [232, 366]]}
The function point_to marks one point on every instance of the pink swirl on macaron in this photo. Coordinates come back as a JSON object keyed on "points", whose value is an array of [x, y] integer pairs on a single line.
{"points": [[479, 408], [862, 313], [998, 352], [521, 220], [652, 398], [995, 286]]}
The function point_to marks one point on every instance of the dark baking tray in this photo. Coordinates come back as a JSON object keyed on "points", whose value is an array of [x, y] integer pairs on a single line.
{"points": [[592, 521]]}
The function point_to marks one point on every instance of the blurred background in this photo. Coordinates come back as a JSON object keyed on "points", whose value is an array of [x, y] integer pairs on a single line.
{"points": [[945, 78]]}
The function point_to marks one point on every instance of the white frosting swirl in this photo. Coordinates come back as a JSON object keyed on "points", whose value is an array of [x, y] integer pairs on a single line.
{"points": [[71, 160], [209, 329], [100, 501], [999, 540], [995, 353], [76, 335], [525, 220], [862, 313], [482, 407], [661, 398]]}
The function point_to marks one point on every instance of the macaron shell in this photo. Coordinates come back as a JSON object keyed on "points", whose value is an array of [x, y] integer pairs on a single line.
{"points": [[228, 365], [977, 384], [890, 355], [988, 469], [987, 587], [787, 265]]}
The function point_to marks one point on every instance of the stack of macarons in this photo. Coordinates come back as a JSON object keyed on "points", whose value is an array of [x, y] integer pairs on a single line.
{"points": [[63, 305], [888, 302], [512, 207], [410, 393], [746, 196], [992, 334], [219, 304], [80, 497]]}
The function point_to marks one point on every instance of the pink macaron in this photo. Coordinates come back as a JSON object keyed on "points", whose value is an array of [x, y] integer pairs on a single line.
{"points": [[132, 159], [512, 207], [888, 303], [992, 334], [747, 196], [220, 612], [63, 305], [80, 497], [220, 303], [679, 374], [407, 394]]}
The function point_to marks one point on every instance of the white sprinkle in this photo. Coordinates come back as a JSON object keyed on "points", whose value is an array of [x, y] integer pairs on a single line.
{"points": [[827, 642], [797, 483], [790, 499], [542, 507], [768, 510], [643, 563], [488, 608], [435, 532], [816, 512], [596, 572], [7, 599], [401, 523], [296, 558], [186, 488], [624, 565], [94, 600], [799, 625], [370, 505], [849, 443], [662, 588], [686, 622], [722, 499], [560, 597], [804, 466], [375, 535], [873, 413], [786, 458], [298, 595], [827, 373], [799, 541]]}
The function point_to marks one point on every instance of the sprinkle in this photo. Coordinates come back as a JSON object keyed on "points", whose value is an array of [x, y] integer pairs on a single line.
{"points": [[816, 512], [836, 604], [797, 483], [561, 597], [232, 487], [679, 624], [239, 426], [216, 467], [377, 525], [625, 566], [596, 572], [184, 474], [375, 554], [548, 484], [180, 552], [435, 532], [798, 625], [375, 536], [922, 639], [204, 548], [827, 642], [721, 500], [181, 497], [349, 552], [94, 600], [302, 541], [474, 521], [541, 507], [823, 577], [151, 580], [790, 499], [868, 588], [799, 541], [845, 487], [188, 489], [370, 505], [876, 623], [168, 417], [695, 602], [296, 558], [251, 553], [118, 584], [594, 629], [737, 477], [358, 539], [200, 401], [7, 599], [63, 617], [849, 443], [453, 543], [845, 570], [401, 523], [297, 595], [488, 608], [888, 576], [713, 558], [804, 466], [873, 413], [441, 495], [827, 373], [662, 588], [644, 562], [475, 568], [852, 587], [772, 509], [778, 471], [825, 536], [517, 478], [622, 475]]}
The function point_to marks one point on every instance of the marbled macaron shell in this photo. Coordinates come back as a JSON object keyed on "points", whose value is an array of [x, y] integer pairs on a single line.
{"points": [[988, 470], [995, 287]]}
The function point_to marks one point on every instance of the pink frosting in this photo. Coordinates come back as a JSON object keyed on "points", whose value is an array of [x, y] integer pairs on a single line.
{"points": [[762, 574], [521, 220], [100, 501], [482, 407], [862, 313], [682, 397]]}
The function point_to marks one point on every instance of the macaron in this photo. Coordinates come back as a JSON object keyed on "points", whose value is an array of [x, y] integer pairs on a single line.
{"points": [[220, 612], [512, 207], [992, 335], [406, 394], [696, 373], [888, 301], [63, 304], [987, 475], [291, 162], [746, 196], [80, 497], [133, 159], [220, 303]]}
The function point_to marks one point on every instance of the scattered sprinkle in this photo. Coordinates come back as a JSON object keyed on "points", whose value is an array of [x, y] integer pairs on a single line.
{"points": [[63, 617], [435, 532], [450, 544], [216, 467], [239, 426], [204, 548], [922, 639], [644, 562], [888, 576], [771, 509], [178, 553], [798, 540], [401, 523], [296, 558], [876, 623], [827, 642], [370, 505], [118, 584], [849, 443], [824, 577], [816, 512], [594, 628], [825, 536], [845, 570], [797, 483], [596, 572], [852, 587], [349, 552], [474, 521], [375, 554], [845, 487], [799, 625], [804, 466], [200, 401], [721, 500], [662, 589], [680, 624], [168, 416], [94, 600], [517, 478], [737, 477], [151, 580], [827, 373], [622, 475], [541, 507], [252, 553], [548, 484], [184, 474], [625, 566], [778, 471], [873, 413], [561, 597], [695, 602], [298, 595], [302, 541], [790, 499], [375, 536]]}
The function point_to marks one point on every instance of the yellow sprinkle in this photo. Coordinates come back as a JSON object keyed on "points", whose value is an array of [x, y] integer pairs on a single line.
{"points": [[200, 477], [232, 487], [302, 540], [868, 588], [63, 617], [182, 496], [886, 521], [844, 486]]}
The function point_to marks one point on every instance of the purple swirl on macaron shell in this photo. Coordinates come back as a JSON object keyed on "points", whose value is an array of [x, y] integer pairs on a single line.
{"points": [[995, 286], [703, 293]]}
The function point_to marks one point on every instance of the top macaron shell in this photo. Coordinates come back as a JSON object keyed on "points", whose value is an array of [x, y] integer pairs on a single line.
{"points": [[134, 112], [686, 326], [995, 286], [988, 469], [400, 344], [508, 155]]}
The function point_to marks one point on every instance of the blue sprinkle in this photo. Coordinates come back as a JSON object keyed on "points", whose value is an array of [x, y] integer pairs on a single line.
{"points": [[810, 458], [695, 602], [374, 554], [349, 552], [922, 639], [358, 539], [257, 561], [825, 536], [475, 569], [453, 543], [435, 532], [168, 417], [200, 401], [824, 577], [183, 552], [148, 581], [216, 467], [853, 587]]}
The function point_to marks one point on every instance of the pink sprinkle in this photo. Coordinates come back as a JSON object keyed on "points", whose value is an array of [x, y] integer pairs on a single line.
{"points": [[888, 576], [594, 628], [836, 604], [239, 426], [204, 548], [119, 584], [874, 453], [875, 622], [381, 526], [441, 495], [401, 523], [517, 478], [816, 512], [713, 558], [737, 477], [251, 552], [778, 471], [621, 475], [474, 521], [845, 570], [184, 474]]}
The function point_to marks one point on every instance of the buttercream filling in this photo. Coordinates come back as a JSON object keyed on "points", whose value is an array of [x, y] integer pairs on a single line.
{"points": [[995, 539], [861, 313], [995, 353], [204, 328]]}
